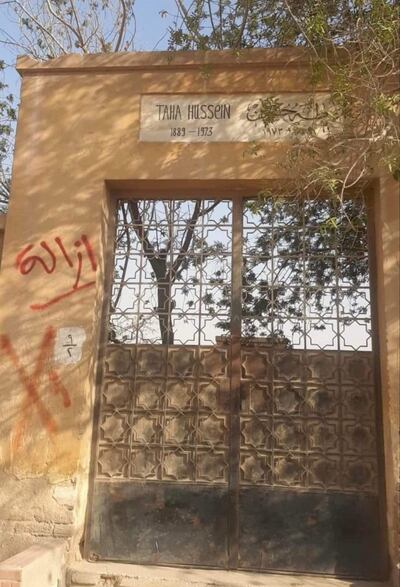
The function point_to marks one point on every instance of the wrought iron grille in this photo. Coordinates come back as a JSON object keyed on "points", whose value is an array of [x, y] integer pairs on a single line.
{"points": [[240, 357], [308, 418], [172, 259]]}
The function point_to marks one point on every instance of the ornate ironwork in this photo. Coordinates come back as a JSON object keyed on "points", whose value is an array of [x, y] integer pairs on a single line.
{"points": [[308, 419], [239, 352], [172, 259]]}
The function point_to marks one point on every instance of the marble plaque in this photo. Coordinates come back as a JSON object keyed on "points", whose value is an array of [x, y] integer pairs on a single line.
{"points": [[231, 118]]}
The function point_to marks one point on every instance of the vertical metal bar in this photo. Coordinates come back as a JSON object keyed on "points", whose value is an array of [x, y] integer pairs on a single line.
{"points": [[141, 267], [338, 285], [236, 326]]}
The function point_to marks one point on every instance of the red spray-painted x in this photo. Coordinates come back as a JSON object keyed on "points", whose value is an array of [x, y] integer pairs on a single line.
{"points": [[31, 384]]}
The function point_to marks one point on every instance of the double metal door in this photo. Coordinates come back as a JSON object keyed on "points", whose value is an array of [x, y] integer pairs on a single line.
{"points": [[236, 423]]}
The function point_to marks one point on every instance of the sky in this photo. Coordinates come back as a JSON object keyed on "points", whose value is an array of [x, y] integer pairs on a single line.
{"points": [[150, 33]]}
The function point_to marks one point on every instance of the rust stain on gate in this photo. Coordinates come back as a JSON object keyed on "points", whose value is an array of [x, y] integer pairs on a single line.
{"points": [[237, 424]]}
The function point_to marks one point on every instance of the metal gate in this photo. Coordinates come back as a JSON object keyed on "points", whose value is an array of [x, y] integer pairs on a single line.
{"points": [[237, 421]]}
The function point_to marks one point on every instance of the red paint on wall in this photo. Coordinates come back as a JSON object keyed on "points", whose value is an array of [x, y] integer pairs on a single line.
{"points": [[31, 384], [47, 258]]}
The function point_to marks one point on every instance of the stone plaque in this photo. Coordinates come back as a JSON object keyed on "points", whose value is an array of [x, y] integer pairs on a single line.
{"points": [[230, 118]]}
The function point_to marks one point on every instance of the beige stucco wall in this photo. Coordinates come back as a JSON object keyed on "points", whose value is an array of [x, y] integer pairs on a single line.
{"points": [[77, 139], [2, 229]]}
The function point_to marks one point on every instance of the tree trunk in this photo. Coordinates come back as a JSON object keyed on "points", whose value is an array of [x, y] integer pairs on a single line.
{"points": [[164, 312]]}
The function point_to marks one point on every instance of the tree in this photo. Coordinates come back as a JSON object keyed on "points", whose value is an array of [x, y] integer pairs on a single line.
{"points": [[354, 46], [48, 29], [7, 119], [232, 24]]}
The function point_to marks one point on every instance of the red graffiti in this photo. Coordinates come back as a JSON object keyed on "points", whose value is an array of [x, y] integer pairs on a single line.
{"points": [[26, 262], [31, 383]]}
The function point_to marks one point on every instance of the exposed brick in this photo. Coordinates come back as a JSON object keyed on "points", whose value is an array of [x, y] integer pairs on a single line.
{"points": [[34, 528], [28, 513], [58, 515], [63, 530]]}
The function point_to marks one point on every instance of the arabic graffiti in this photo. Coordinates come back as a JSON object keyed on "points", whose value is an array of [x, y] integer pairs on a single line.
{"points": [[32, 384], [47, 260]]}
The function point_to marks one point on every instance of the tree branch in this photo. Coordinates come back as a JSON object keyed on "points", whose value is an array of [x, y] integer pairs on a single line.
{"points": [[121, 26], [78, 28], [186, 19], [244, 23], [66, 24], [40, 26], [158, 265], [127, 253], [188, 239]]}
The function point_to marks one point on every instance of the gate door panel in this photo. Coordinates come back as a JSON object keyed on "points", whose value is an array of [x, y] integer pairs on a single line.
{"points": [[237, 423], [161, 488], [309, 467]]}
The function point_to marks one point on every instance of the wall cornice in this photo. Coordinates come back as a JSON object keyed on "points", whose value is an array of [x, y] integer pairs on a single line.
{"points": [[287, 57]]}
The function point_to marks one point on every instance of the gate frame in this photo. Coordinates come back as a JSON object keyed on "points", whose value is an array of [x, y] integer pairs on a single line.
{"points": [[236, 190]]}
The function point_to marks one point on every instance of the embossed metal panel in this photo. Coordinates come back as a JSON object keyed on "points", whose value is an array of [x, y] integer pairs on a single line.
{"points": [[237, 421]]}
